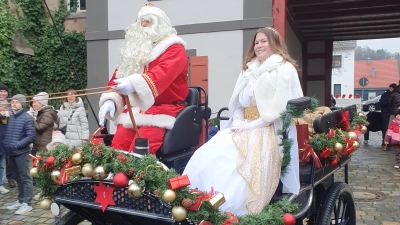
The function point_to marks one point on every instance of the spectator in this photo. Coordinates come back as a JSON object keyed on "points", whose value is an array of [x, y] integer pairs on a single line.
{"points": [[19, 135], [46, 117], [72, 115], [385, 103], [3, 122], [3, 96], [394, 101]]}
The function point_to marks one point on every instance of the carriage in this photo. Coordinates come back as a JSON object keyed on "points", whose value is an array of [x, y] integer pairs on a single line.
{"points": [[322, 201]]}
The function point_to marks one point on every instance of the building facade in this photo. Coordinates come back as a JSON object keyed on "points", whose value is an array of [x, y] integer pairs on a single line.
{"points": [[343, 67]]}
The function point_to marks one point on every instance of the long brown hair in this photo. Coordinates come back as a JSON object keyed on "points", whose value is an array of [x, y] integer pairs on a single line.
{"points": [[73, 92], [276, 43]]}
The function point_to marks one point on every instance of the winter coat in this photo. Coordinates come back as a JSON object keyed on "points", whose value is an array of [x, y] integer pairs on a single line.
{"points": [[392, 134], [20, 134], [394, 101], [3, 129], [44, 124], [77, 125], [385, 101]]}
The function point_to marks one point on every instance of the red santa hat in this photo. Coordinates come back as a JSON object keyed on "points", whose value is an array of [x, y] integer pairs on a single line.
{"points": [[150, 9]]}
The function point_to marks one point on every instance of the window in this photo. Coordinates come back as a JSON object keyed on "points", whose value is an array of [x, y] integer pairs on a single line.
{"points": [[337, 89], [76, 5], [337, 61]]}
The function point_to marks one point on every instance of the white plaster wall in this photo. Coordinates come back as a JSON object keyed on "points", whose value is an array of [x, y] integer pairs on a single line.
{"points": [[345, 74], [121, 13], [224, 51]]}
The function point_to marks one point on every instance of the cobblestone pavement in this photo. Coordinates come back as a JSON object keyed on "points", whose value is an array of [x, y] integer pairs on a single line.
{"points": [[374, 180]]}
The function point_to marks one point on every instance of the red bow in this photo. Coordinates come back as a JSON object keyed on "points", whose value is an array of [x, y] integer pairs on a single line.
{"points": [[200, 198], [344, 124], [231, 219], [325, 152]]}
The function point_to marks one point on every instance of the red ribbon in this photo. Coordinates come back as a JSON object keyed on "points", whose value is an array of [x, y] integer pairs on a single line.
{"points": [[344, 124], [308, 150], [36, 159], [231, 219], [63, 174], [349, 147], [200, 198], [325, 152]]}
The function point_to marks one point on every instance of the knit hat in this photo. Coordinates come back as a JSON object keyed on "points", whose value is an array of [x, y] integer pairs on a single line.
{"points": [[3, 87], [393, 85], [42, 97], [150, 9], [20, 98], [56, 139], [397, 113]]}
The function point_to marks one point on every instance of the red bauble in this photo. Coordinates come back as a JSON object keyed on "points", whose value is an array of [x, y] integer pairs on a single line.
{"points": [[289, 219], [334, 163], [120, 180], [50, 161]]}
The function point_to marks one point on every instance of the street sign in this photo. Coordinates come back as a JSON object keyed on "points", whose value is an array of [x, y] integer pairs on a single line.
{"points": [[363, 82]]}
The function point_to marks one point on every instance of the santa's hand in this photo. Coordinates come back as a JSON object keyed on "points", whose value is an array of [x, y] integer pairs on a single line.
{"points": [[237, 124], [108, 106], [124, 86]]}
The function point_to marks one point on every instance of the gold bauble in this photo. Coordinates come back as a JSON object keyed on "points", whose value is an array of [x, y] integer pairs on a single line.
{"points": [[76, 158], [356, 145], [364, 129], [55, 175], [169, 195], [134, 190], [352, 135], [45, 204], [100, 173], [338, 147], [361, 114], [179, 213], [88, 170], [34, 171]]}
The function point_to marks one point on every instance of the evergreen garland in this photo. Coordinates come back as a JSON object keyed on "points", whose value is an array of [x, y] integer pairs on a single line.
{"points": [[287, 116]]}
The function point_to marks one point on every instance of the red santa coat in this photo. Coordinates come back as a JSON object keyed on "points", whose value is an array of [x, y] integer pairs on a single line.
{"points": [[160, 91]]}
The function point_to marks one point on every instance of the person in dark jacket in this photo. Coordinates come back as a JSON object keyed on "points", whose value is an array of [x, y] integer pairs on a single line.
{"points": [[385, 103], [3, 125], [3, 96], [19, 135]]}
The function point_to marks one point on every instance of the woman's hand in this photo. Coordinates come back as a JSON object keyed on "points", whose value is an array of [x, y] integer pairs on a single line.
{"points": [[237, 125]]}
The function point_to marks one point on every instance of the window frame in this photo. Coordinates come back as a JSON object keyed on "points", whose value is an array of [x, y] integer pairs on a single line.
{"points": [[78, 9], [336, 61]]}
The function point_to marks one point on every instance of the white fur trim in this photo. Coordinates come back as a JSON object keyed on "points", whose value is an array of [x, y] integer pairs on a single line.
{"points": [[118, 101], [160, 120], [143, 96], [152, 10], [164, 44]]}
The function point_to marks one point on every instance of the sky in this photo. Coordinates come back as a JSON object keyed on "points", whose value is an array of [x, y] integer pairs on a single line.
{"points": [[390, 44]]}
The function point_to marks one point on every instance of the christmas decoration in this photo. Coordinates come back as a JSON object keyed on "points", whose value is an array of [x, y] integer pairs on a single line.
{"points": [[231, 219], [55, 176], [50, 161], [338, 147], [169, 195], [344, 123], [76, 158], [289, 219], [45, 204], [217, 200], [187, 202], [122, 159], [134, 190], [99, 173], [356, 145], [33, 172], [88, 170], [120, 180], [179, 182], [204, 222], [179, 213], [129, 172], [364, 129], [75, 170], [352, 135], [104, 195]]}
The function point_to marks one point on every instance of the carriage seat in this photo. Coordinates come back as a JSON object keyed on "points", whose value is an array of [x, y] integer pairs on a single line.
{"points": [[187, 128]]}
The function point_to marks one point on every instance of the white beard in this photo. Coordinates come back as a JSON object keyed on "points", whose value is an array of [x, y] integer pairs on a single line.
{"points": [[140, 41]]}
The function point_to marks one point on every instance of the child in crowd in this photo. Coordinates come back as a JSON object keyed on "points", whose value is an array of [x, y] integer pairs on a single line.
{"points": [[393, 137]]}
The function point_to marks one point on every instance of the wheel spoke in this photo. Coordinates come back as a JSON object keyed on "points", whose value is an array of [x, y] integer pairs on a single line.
{"points": [[343, 214], [337, 209]]}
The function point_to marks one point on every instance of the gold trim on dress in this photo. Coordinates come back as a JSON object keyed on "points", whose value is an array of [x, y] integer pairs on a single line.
{"points": [[151, 84], [251, 113]]}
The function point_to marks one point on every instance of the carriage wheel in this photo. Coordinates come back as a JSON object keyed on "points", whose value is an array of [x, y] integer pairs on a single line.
{"points": [[337, 207], [70, 218]]}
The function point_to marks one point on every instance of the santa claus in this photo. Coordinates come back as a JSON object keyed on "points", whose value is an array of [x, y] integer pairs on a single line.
{"points": [[153, 74]]}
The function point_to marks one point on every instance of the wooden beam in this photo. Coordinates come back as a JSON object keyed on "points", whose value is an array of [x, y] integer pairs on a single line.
{"points": [[279, 15], [294, 26], [354, 37], [349, 18], [344, 7], [304, 77], [358, 28], [366, 31], [328, 71], [349, 23], [293, 3], [348, 13], [316, 77]]}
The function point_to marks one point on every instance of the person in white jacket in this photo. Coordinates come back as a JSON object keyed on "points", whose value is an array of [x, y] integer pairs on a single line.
{"points": [[243, 161], [72, 114]]}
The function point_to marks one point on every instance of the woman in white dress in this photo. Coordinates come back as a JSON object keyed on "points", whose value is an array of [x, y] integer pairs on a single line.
{"points": [[243, 161]]}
